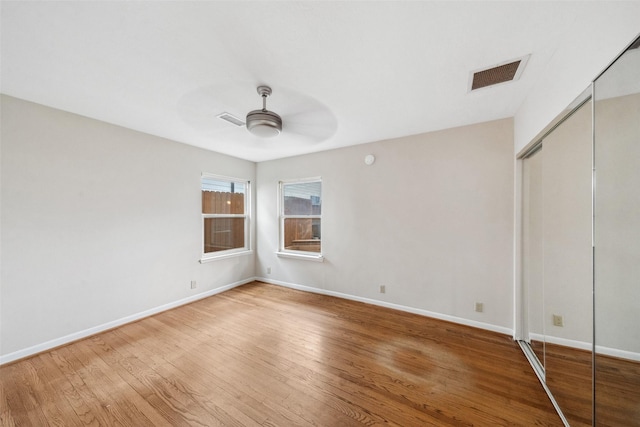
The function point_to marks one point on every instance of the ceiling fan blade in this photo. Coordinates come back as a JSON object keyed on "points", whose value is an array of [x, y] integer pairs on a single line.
{"points": [[315, 124]]}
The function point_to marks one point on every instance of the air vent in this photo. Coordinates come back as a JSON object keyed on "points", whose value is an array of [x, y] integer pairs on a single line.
{"points": [[231, 119], [501, 73]]}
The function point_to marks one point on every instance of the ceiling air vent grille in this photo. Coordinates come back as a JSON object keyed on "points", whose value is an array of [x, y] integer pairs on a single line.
{"points": [[502, 73], [231, 119]]}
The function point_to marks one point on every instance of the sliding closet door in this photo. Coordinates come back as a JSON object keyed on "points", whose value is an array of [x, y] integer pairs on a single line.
{"points": [[567, 253], [532, 252], [617, 242]]}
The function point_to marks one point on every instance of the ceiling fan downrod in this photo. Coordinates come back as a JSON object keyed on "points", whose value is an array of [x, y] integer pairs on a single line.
{"points": [[264, 92]]}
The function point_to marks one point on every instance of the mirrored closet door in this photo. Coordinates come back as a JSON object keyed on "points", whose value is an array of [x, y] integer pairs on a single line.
{"points": [[556, 260], [580, 252], [617, 241], [532, 254]]}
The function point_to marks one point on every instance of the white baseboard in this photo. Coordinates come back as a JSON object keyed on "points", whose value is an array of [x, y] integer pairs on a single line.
{"points": [[620, 354], [581, 345], [426, 313], [39, 348]]}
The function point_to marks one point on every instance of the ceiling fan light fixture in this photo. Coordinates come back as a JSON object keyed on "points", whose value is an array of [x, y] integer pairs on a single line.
{"points": [[264, 123]]}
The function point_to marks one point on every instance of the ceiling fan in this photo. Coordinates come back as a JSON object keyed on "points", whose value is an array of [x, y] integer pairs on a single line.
{"points": [[300, 119]]}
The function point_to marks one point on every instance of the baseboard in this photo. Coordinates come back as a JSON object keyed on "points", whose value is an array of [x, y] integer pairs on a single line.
{"points": [[426, 313], [620, 354], [581, 345], [67, 339]]}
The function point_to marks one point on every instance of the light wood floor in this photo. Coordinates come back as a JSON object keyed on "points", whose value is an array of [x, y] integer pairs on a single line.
{"points": [[263, 355]]}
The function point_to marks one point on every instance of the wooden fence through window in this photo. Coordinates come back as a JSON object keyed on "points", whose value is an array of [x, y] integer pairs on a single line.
{"points": [[223, 233], [301, 234]]}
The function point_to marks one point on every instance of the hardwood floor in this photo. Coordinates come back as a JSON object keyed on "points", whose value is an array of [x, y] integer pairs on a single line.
{"points": [[617, 392], [263, 355], [570, 378]]}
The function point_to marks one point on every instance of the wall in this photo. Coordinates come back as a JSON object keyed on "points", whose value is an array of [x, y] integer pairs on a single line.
{"points": [[431, 219], [100, 224]]}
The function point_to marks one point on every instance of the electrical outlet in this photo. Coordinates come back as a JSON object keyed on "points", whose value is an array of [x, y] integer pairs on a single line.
{"points": [[268, 270], [558, 320], [479, 307], [383, 289], [193, 284]]}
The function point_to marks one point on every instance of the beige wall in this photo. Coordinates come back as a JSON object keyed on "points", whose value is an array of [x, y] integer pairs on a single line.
{"points": [[99, 223], [431, 219]]}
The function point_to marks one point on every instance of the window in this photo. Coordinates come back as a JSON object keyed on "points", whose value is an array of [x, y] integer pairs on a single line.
{"points": [[301, 217], [225, 216]]}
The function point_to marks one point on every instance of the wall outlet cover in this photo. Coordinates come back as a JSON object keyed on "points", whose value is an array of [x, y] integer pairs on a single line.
{"points": [[558, 320]]}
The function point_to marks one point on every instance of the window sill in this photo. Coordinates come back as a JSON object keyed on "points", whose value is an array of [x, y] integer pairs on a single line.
{"points": [[225, 256], [305, 257]]}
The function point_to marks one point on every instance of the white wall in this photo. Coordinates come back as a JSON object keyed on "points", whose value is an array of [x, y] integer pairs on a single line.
{"points": [[432, 219], [99, 223]]}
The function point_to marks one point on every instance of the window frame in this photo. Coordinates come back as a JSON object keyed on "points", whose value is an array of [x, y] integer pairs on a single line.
{"points": [[290, 253], [227, 253]]}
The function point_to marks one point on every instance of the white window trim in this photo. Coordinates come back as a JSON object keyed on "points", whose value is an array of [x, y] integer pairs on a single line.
{"points": [[301, 255], [282, 252], [229, 253]]}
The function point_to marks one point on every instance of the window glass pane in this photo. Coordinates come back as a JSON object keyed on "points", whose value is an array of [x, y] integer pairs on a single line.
{"points": [[222, 197], [302, 234], [223, 233], [303, 198], [212, 184]]}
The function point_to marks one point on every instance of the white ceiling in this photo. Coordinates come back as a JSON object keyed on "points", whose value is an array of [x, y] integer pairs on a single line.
{"points": [[342, 73]]}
